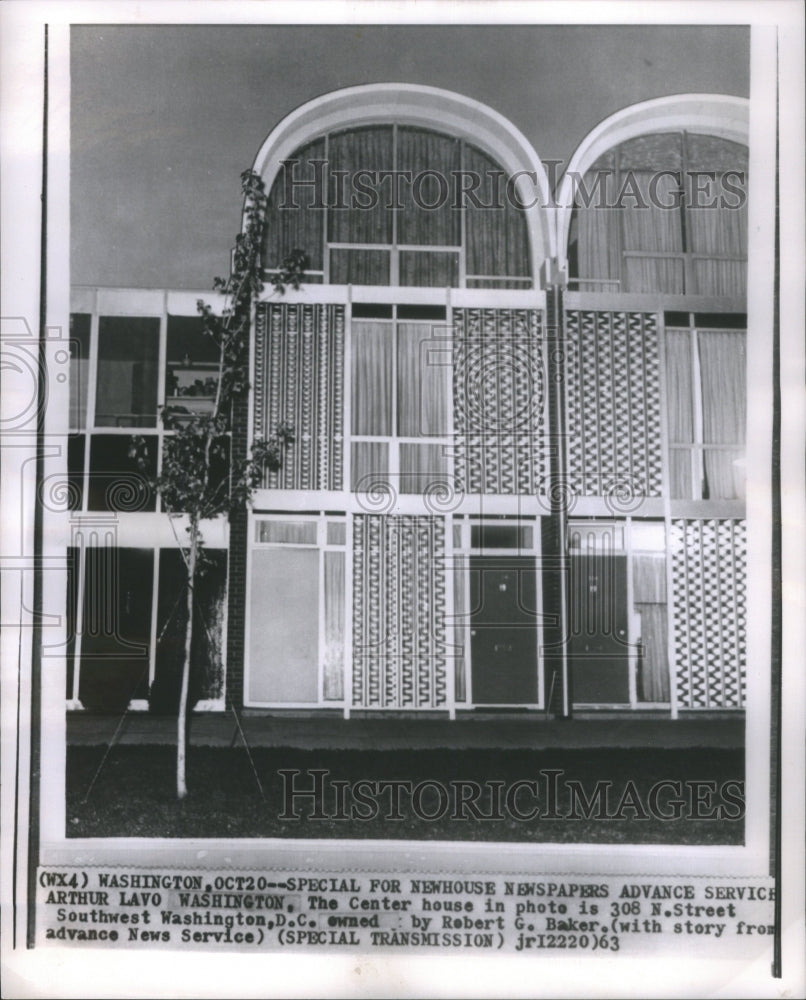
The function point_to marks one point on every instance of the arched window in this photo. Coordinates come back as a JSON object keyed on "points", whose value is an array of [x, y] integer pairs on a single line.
{"points": [[665, 213], [398, 205]]}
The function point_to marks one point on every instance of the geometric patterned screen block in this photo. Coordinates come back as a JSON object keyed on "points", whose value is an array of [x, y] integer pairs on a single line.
{"points": [[500, 422], [399, 643], [709, 560], [612, 391], [299, 380]]}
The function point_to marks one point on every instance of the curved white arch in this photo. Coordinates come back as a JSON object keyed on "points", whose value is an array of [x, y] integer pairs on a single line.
{"points": [[711, 114], [427, 107]]}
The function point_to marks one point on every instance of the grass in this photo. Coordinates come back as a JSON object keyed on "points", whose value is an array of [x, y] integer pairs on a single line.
{"points": [[134, 795]]}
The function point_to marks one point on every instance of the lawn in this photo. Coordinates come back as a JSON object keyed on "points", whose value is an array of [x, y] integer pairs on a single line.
{"points": [[134, 794]]}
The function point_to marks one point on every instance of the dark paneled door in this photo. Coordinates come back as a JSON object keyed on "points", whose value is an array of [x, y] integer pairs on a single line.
{"points": [[503, 630], [598, 646]]}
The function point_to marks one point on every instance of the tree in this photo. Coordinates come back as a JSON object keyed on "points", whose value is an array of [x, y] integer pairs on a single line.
{"points": [[201, 477]]}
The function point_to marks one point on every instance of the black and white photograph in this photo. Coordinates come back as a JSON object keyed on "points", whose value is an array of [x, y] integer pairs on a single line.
{"points": [[403, 500]]}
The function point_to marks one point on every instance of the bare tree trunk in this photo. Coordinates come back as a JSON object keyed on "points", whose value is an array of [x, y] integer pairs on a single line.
{"points": [[181, 733]]}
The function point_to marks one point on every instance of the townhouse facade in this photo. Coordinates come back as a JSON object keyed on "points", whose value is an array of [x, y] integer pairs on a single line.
{"points": [[519, 406]]}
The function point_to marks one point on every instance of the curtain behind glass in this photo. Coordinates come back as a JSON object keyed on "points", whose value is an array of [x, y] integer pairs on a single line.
{"points": [[599, 241], [724, 406], [299, 226], [363, 149], [722, 229], [649, 228], [459, 632], [680, 411], [333, 673], [372, 366], [429, 268], [419, 151], [496, 239], [423, 468], [654, 671], [422, 382], [649, 596]]}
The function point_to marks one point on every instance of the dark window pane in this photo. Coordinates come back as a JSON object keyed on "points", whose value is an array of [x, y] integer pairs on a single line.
{"points": [[75, 471], [116, 627], [79, 368], [371, 310], [72, 606], [501, 536], [421, 312], [719, 321], [126, 394], [206, 661], [115, 482]]}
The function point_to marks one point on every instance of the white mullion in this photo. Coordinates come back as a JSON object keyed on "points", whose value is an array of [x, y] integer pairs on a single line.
{"points": [[462, 225], [321, 537], [632, 659], [450, 617], [666, 491], [161, 371], [450, 443], [251, 543], [347, 396], [364, 246], [347, 663], [393, 468], [326, 219], [468, 666], [696, 374], [537, 554], [394, 257], [89, 416], [79, 616], [152, 645]]}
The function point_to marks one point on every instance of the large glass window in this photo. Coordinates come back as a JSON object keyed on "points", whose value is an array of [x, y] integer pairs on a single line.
{"points": [[400, 394], [665, 212], [706, 405], [126, 387], [398, 205], [127, 611], [191, 377], [297, 610], [79, 368]]}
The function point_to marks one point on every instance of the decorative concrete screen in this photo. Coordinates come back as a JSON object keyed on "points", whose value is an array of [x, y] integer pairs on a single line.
{"points": [[399, 587], [499, 408], [709, 559], [299, 380], [613, 403]]}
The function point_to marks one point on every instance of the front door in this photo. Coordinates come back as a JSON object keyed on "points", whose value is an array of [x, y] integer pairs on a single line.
{"points": [[503, 630], [598, 644]]}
